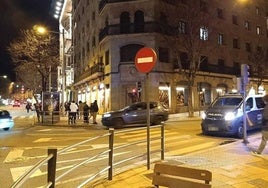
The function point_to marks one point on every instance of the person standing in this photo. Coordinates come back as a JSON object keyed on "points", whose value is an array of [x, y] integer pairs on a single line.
{"points": [[86, 112], [73, 112], [264, 128], [80, 109], [95, 110]]}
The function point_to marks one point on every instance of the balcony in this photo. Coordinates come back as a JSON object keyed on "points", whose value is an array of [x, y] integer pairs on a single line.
{"points": [[211, 68], [117, 29], [93, 72], [103, 3]]}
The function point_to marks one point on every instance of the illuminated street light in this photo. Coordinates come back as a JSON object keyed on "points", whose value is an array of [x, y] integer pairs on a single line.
{"points": [[4, 76]]}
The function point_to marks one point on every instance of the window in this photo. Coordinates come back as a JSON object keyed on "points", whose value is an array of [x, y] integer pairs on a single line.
{"points": [[163, 55], [246, 25], [128, 52], [258, 30], [139, 22], [203, 6], [248, 47], [220, 13], [204, 33], [235, 43], [221, 63], [235, 20], [124, 22], [257, 10], [220, 39], [182, 27]]}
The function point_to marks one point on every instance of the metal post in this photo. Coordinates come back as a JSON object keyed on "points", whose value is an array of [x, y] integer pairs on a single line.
{"points": [[245, 139], [63, 72], [148, 119], [51, 167], [162, 142], [111, 153]]}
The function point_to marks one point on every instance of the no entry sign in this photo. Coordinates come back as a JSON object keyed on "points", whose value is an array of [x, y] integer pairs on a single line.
{"points": [[145, 59]]}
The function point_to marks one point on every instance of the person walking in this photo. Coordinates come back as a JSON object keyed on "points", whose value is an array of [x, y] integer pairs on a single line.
{"points": [[264, 128], [73, 112], [94, 110], [28, 107]]}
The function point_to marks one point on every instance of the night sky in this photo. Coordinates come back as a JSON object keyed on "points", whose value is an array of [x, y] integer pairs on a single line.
{"points": [[17, 15]]}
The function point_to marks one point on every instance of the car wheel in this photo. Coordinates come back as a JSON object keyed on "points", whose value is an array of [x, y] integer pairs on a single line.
{"points": [[157, 120], [240, 131], [118, 123], [6, 129]]}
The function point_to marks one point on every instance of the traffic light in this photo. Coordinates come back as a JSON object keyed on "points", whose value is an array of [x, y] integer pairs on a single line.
{"points": [[139, 86], [245, 73]]}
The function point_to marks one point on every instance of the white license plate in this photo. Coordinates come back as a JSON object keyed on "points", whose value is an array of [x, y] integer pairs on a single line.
{"points": [[213, 128]]}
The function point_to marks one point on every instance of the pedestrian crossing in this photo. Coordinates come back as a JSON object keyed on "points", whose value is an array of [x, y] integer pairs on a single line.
{"points": [[176, 144]]}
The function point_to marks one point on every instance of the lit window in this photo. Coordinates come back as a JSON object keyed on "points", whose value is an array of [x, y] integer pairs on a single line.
{"points": [[246, 25], [204, 33], [182, 27], [258, 30], [220, 39]]}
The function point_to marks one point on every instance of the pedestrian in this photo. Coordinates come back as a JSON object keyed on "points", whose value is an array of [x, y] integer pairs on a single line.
{"points": [[28, 107], [66, 107], [73, 112], [264, 128], [37, 108], [86, 112], [80, 109], [94, 110]]}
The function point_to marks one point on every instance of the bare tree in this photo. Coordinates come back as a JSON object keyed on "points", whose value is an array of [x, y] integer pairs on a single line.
{"points": [[259, 64], [186, 32], [34, 55]]}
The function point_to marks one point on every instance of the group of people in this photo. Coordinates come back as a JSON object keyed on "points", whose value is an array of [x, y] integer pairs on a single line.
{"points": [[82, 110]]}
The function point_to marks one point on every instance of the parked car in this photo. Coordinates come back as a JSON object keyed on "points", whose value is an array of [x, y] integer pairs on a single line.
{"points": [[225, 115], [6, 121], [135, 114], [16, 103]]}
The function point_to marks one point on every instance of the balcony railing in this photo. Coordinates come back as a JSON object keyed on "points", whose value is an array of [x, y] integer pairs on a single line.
{"points": [[213, 69], [94, 71], [117, 29]]}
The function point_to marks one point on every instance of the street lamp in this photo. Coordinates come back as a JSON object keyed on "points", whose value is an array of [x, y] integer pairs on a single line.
{"points": [[4, 76]]}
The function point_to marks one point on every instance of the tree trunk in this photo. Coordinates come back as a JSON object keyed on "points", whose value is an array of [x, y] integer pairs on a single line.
{"points": [[190, 102]]}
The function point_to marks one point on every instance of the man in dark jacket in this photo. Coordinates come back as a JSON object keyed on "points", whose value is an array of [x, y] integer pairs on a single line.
{"points": [[264, 128], [95, 110]]}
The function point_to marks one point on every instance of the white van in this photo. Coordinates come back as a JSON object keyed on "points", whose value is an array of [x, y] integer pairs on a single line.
{"points": [[225, 115]]}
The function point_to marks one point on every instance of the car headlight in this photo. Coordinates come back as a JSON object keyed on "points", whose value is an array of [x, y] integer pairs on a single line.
{"points": [[107, 115], [203, 115], [229, 116]]}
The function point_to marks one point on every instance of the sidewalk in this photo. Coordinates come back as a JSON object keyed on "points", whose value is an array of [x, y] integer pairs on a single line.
{"points": [[232, 165]]}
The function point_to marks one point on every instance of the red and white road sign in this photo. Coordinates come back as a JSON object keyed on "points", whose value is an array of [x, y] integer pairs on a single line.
{"points": [[145, 59]]}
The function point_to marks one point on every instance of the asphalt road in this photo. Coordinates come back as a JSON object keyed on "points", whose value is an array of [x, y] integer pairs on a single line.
{"points": [[27, 144]]}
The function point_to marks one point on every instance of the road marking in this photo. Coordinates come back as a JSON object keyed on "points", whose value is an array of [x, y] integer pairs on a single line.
{"points": [[191, 148], [14, 155], [42, 140]]}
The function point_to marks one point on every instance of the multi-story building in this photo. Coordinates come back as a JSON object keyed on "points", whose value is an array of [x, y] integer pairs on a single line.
{"points": [[106, 35]]}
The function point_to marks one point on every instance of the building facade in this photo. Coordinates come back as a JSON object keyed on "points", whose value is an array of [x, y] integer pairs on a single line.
{"points": [[106, 35]]}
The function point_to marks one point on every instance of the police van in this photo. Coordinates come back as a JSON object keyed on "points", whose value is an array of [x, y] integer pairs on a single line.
{"points": [[225, 115]]}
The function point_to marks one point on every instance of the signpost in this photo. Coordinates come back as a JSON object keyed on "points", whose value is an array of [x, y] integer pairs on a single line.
{"points": [[145, 61]]}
